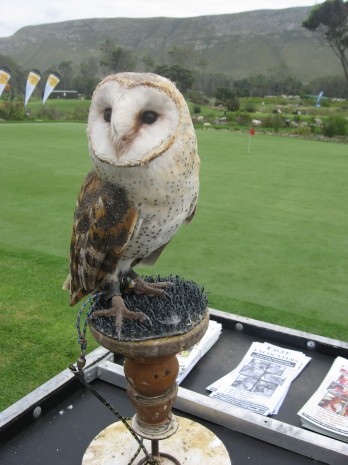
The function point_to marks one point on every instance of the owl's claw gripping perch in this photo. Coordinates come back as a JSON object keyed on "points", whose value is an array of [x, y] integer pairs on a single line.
{"points": [[139, 286], [120, 311]]}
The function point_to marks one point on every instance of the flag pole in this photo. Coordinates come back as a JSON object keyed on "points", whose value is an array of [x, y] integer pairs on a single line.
{"points": [[251, 133]]}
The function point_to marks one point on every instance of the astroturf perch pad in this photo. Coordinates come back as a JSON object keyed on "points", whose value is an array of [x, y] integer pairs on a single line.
{"points": [[181, 311]]}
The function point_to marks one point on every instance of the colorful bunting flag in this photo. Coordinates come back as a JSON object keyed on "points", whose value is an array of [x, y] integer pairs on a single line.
{"points": [[52, 81], [34, 77], [5, 75]]}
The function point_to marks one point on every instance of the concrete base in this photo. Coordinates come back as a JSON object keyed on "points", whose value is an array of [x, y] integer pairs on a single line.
{"points": [[192, 444]]}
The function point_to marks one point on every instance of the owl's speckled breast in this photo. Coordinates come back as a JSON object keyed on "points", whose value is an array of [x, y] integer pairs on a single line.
{"points": [[165, 194]]}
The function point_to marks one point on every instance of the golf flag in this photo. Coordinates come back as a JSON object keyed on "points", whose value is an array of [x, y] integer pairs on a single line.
{"points": [[34, 77], [5, 75], [251, 133], [52, 81]]}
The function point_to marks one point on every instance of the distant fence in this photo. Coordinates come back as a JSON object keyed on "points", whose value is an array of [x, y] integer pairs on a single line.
{"points": [[64, 94]]}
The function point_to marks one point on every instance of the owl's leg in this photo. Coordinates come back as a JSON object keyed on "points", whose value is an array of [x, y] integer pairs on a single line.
{"points": [[118, 308], [136, 284]]}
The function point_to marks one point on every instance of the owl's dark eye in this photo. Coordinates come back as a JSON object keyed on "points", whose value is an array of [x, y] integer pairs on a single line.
{"points": [[107, 115], [149, 117]]}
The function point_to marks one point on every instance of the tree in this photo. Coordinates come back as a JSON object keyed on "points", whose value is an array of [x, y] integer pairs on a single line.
{"points": [[65, 70], [223, 93], [116, 59], [228, 97], [182, 77], [88, 77], [330, 21], [149, 63], [182, 56]]}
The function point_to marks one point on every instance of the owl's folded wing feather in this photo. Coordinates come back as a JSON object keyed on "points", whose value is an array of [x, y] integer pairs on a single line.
{"points": [[151, 259], [103, 225]]}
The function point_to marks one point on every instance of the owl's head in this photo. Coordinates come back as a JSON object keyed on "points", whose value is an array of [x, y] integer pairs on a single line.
{"points": [[134, 118]]}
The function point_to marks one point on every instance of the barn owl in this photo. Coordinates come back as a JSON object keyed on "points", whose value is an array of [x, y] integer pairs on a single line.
{"points": [[143, 186]]}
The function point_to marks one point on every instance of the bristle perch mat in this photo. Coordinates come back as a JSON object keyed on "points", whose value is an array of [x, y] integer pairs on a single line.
{"points": [[184, 308]]}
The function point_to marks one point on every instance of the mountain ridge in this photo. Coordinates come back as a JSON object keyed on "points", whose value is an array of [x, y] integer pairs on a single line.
{"points": [[238, 44]]}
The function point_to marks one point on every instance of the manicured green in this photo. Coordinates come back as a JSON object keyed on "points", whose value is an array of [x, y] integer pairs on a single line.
{"points": [[269, 239], [62, 105]]}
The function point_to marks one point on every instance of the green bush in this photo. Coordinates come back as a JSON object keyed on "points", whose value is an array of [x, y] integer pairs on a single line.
{"points": [[303, 131], [335, 126], [196, 109], [51, 113], [325, 103], [80, 114], [274, 121], [196, 97], [12, 110], [233, 104], [243, 119], [250, 107]]}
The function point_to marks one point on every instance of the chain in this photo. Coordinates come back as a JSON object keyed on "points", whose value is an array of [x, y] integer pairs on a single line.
{"points": [[78, 372], [82, 341]]}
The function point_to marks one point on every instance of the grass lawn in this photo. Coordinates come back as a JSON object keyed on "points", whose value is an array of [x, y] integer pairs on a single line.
{"points": [[69, 105], [269, 240]]}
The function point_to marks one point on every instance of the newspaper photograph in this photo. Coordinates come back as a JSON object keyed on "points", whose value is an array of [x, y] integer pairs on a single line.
{"points": [[326, 411], [262, 379]]}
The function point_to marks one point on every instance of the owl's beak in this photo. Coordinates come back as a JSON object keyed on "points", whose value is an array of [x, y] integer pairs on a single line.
{"points": [[122, 139], [121, 146]]}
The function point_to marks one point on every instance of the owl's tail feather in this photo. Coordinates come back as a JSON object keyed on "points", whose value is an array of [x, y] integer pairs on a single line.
{"points": [[66, 284]]}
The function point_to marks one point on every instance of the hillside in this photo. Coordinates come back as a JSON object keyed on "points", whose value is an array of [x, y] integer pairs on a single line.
{"points": [[240, 44]]}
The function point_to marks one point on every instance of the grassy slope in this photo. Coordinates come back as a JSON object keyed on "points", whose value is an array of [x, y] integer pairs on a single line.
{"points": [[269, 239]]}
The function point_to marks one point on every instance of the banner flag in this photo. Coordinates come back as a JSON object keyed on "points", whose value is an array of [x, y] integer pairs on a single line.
{"points": [[34, 77], [317, 104], [52, 81], [5, 75]]}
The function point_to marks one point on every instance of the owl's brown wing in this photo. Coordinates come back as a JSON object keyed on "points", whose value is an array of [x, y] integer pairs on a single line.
{"points": [[103, 225]]}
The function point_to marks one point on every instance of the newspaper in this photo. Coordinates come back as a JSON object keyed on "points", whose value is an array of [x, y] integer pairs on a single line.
{"points": [[262, 379], [188, 358], [326, 411]]}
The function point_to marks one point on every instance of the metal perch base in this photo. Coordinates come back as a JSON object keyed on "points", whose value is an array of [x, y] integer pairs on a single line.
{"points": [[151, 369]]}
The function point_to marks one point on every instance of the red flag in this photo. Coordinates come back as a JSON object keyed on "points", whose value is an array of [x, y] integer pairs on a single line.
{"points": [[252, 132]]}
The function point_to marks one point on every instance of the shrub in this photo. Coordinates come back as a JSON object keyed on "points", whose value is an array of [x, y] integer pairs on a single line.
{"points": [[196, 109], [12, 110], [250, 107], [324, 103], [196, 97], [79, 114], [233, 104], [49, 113], [275, 121], [335, 126], [303, 131], [243, 119]]}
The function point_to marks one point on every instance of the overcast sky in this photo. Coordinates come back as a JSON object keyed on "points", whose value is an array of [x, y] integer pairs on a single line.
{"points": [[15, 14]]}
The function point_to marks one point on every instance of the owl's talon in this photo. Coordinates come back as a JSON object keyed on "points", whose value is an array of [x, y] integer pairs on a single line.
{"points": [[120, 311], [151, 289]]}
